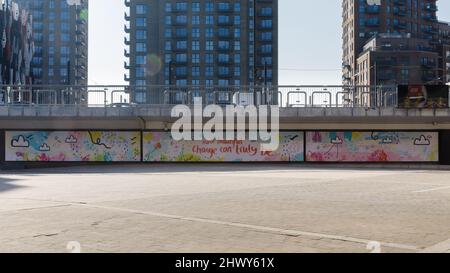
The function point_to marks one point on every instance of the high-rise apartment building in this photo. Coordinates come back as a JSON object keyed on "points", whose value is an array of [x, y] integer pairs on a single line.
{"points": [[392, 42], [200, 43], [444, 61], [60, 33]]}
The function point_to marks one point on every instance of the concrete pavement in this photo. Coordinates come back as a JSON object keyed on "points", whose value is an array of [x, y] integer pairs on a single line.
{"points": [[224, 208]]}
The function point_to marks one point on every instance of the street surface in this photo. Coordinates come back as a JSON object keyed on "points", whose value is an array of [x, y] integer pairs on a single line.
{"points": [[224, 208]]}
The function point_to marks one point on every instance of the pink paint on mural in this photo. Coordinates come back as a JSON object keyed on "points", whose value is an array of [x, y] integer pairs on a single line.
{"points": [[160, 146], [75, 146], [372, 146]]}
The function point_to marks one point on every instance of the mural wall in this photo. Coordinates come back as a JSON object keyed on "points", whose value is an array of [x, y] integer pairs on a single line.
{"points": [[160, 147], [17, 46], [115, 146], [58, 146], [372, 146]]}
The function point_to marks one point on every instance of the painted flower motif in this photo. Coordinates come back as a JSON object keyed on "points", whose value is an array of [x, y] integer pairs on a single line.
{"points": [[378, 156], [317, 137]]}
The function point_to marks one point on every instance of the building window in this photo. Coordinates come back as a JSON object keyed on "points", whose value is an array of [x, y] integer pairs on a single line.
{"points": [[195, 33], [209, 20], [195, 58], [141, 47], [209, 71], [209, 7], [141, 9], [141, 22], [140, 72], [141, 34], [195, 45], [195, 20], [209, 45], [195, 71], [209, 58], [181, 44], [196, 7], [140, 60]]}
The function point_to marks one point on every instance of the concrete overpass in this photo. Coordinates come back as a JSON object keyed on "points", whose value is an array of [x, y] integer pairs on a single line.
{"points": [[408, 126], [157, 117]]}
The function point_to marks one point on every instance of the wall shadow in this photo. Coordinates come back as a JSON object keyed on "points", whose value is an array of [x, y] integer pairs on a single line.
{"points": [[6, 184], [149, 168]]}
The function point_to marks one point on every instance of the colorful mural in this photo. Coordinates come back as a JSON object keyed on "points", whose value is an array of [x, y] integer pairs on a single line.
{"points": [[372, 146], [160, 147], [75, 146]]}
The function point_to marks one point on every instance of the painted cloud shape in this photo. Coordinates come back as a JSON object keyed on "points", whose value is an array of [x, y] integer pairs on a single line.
{"points": [[71, 139], [422, 141], [337, 140], [44, 148], [20, 142]]}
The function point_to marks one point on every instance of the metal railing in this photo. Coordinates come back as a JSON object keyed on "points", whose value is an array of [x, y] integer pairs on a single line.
{"points": [[129, 96]]}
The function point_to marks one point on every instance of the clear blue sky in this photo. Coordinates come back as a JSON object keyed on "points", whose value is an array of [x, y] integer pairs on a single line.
{"points": [[310, 39]]}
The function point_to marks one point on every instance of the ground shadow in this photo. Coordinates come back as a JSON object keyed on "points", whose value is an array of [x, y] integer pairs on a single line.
{"points": [[95, 168], [6, 184]]}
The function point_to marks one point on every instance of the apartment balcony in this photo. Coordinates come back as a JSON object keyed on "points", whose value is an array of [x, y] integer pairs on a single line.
{"points": [[225, 75], [375, 23], [128, 3], [429, 65], [81, 43], [225, 9], [224, 34], [429, 17], [225, 23], [126, 29], [400, 12], [180, 49], [126, 41], [224, 62], [429, 78], [180, 23], [264, 52], [127, 17], [80, 32], [400, 25], [180, 62], [372, 9], [80, 22], [431, 7], [224, 49], [385, 63], [126, 53], [265, 14], [431, 30], [181, 35], [175, 10]]}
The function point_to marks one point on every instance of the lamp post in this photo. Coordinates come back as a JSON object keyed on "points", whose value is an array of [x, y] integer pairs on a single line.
{"points": [[170, 72], [68, 72]]}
